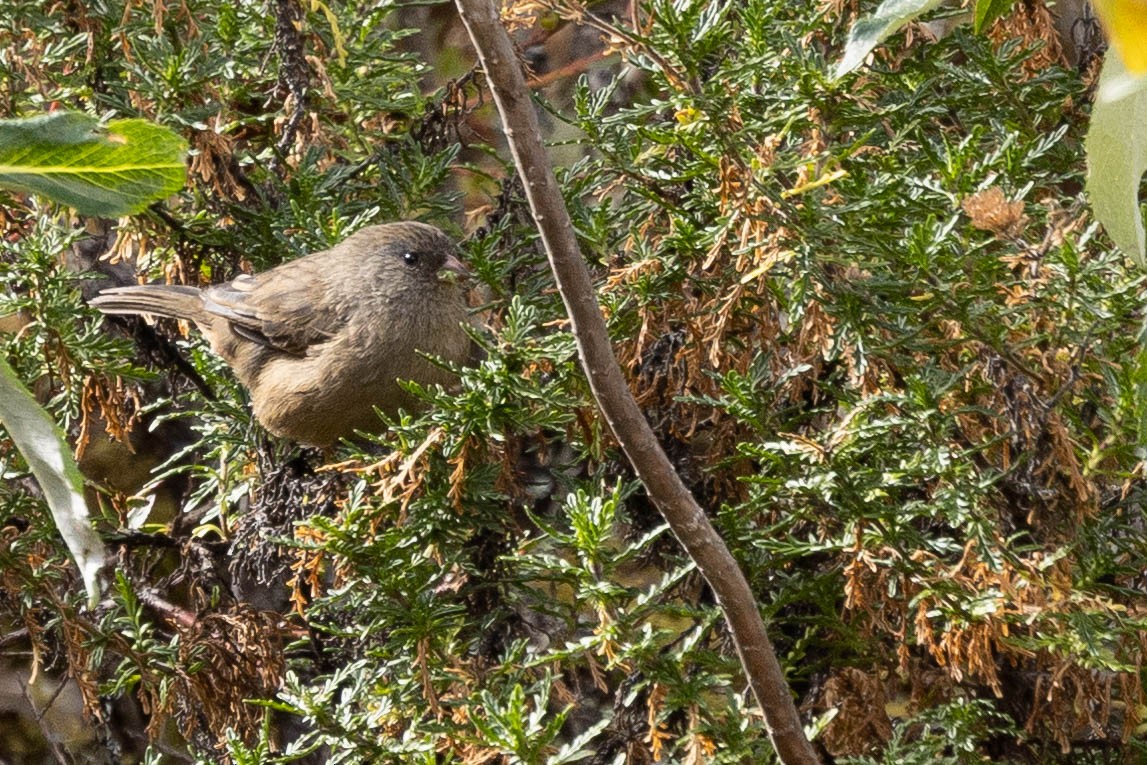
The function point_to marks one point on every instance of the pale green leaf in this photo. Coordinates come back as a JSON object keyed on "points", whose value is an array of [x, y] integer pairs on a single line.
{"points": [[1117, 158], [1116, 82], [48, 455], [111, 171], [870, 31]]}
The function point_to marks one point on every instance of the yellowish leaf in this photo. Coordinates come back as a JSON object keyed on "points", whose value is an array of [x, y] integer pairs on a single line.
{"points": [[1126, 24]]}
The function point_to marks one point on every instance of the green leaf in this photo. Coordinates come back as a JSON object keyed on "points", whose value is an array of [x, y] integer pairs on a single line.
{"points": [[987, 11], [108, 172], [1117, 158], [868, 32], [50, 458]]}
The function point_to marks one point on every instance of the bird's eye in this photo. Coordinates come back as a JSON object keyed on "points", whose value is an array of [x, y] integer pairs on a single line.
{"points": [[410, 258]]}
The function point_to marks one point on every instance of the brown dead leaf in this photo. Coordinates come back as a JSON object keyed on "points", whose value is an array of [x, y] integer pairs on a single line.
{"points": [[991, 211]]}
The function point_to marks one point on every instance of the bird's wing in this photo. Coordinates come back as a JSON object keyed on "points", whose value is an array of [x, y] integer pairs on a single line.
{"points": [[278, 309]]}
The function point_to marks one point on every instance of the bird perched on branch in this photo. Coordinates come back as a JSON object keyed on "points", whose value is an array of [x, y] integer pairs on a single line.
{"points": [[320, 341]]}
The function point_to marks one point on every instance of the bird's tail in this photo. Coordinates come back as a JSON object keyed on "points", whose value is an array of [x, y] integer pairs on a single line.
{"points": [[174, 301]]}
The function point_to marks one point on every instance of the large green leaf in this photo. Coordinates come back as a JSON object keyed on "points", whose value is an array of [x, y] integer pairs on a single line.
{"points": [[869, 31], [111, 171], [50, 458], [1117, 157], [987, 11]]}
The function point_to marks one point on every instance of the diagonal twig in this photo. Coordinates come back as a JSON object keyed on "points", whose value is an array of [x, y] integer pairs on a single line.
{"points": [[686, 518]]}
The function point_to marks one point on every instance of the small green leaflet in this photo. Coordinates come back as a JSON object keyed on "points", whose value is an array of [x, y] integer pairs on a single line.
{"points": [[114, 170]]}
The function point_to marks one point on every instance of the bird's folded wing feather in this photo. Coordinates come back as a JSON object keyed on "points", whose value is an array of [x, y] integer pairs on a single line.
{"points": [[277, 308]]}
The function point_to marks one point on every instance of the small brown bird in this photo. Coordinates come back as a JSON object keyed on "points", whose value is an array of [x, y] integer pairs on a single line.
{"points": [[321, 340]]}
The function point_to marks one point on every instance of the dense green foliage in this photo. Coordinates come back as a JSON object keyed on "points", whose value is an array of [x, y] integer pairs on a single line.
{"points": [[871, 323]]}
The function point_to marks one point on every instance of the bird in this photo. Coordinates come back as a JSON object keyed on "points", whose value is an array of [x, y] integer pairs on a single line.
{"points": [[321, 341]]}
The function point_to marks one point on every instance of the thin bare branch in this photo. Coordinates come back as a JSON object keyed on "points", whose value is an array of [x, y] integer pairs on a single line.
{"points": [[624, 417]]}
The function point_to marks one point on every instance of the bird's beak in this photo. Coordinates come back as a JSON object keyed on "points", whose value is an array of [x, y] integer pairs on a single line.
{"points": [[455, 266]]}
